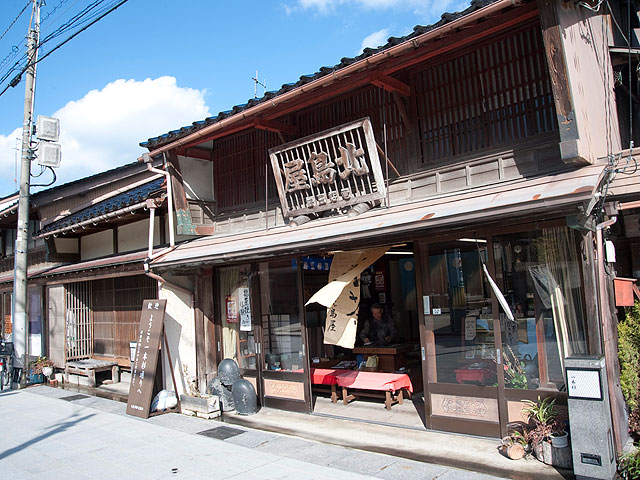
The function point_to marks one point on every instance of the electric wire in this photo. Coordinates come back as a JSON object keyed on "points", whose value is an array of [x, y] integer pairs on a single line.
{"points": [[94, 19], [15, 20]]}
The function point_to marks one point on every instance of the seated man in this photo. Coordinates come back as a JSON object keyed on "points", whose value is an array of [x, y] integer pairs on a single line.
{"points": [[379, 329]]}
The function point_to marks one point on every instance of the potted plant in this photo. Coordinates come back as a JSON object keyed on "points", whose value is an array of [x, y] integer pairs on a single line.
{"points": [[38, 369], [196, 403], [518, 443], [542, 418]]}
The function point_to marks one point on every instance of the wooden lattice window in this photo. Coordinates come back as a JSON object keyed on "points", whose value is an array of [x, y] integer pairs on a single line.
{"points": [[78, 321], [117, 303], [497, 94], [373, 102], [239, 163]]}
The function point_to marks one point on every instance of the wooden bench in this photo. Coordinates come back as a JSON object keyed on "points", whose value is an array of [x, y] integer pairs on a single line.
{"points": [[370, 384], [326, 377], [89, 366], [390, 386]]}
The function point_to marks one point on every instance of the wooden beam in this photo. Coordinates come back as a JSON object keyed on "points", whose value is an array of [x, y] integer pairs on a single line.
{"points": [[472, 35], [390, 84], [195, 152], [275, 126], [402, 110]]}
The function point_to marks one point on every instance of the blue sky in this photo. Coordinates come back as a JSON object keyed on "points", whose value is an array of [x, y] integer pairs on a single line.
{"points": [[154, 66]]}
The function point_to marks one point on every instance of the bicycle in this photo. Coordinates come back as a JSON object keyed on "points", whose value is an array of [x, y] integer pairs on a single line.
{"points": [[6, 370]]}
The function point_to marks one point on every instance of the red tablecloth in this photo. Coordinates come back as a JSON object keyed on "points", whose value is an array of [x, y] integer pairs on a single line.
{"points": [[325, 376], [374, 380]]}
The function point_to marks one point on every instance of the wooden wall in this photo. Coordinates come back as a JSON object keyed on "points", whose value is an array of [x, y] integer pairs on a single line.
{"points": [[116, 305]]}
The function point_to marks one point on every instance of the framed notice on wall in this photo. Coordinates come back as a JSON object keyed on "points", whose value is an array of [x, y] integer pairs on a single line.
{"points": [[232, 309], [143, 367]]}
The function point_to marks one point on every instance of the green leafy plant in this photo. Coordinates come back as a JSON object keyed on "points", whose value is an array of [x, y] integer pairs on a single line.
{"points": [[634, 424], [629, 466], [543, 418], [39, 364], [629, 356], [514, 370]]}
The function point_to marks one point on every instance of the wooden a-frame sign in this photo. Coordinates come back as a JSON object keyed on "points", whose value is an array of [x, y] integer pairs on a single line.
{"points": [[144, 365]]}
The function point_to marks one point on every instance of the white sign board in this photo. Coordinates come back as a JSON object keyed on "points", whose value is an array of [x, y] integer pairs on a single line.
{"points": [[245, 309], [584, 383]]}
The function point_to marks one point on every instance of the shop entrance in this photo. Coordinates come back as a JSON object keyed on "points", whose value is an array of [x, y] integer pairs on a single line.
{"points": [[262, 330], [368, 381], [460, 338]]}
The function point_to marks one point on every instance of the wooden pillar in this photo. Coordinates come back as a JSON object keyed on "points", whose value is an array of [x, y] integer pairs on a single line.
{"points": [[211, 339], [581, 79], [205, 337], [594, 338]]}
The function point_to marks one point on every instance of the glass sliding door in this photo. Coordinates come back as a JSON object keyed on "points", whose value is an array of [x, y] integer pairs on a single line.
{"points": [[282, 343], [237, 311], [540, 275], [460, 335]]}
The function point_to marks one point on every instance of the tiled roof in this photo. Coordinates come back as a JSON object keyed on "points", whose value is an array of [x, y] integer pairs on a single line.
{"points": [[304, 79], [122, 200]]}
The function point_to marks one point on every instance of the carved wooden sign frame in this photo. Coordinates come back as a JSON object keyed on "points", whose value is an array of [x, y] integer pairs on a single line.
{"points": [[335, 168]]}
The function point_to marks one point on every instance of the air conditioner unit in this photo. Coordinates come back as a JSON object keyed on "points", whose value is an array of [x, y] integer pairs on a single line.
{"points": [[49, 154], [47, 128]]}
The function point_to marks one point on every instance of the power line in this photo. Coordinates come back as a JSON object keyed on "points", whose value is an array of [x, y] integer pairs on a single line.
{"points": [[15, 20], [102, 14]]}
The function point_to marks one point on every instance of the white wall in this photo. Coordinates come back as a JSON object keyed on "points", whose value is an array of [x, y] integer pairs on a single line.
{"points": [[135, 236], [197, 176], [66, 245], [179, 327], [96, 245]]}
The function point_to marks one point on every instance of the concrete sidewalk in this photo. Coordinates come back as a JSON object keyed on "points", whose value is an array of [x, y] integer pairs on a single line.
{"points": [[55, 433], [52, 433]]}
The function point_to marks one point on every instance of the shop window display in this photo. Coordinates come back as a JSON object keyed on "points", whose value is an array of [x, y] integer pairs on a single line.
{"points": [[282, 333], [237, 316], [461, 312], [539, 274]]}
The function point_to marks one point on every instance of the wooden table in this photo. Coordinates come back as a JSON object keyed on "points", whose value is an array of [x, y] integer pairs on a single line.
{"points": [[390, 358]]}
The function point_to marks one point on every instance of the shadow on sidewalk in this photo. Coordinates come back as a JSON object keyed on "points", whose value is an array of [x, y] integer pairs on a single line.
{"points": [[58, 428]]}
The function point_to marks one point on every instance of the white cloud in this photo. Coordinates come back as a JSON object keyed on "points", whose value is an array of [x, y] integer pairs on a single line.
{"points": [[102, 130], [375, 39]]}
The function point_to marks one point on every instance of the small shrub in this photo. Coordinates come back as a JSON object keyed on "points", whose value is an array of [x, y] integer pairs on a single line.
{"points": [[634, 424], [629, 356], [629, 466]]}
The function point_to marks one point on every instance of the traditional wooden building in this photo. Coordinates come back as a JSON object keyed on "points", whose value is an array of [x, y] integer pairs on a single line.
{"points": [[493, 134], [86, 276], [487, 145]]}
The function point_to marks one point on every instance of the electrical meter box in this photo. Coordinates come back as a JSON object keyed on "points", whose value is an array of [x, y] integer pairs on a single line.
{"points": [[592, 443]]}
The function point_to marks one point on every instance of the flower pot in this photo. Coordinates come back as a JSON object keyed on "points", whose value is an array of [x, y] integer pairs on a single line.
{"points": [[47, 371], [200, 404], [560, 440]]}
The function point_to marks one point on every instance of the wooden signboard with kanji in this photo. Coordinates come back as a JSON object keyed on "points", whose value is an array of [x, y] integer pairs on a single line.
{"points": [[332, 169], [143, 367]]}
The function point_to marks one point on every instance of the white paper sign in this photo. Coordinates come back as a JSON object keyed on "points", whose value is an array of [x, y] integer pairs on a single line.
{"points": [[584, 384], [244, 298], [469, 328], [426, 304]]}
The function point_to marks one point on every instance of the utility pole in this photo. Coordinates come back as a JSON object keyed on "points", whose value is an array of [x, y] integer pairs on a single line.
{"points": [[19, 317]]}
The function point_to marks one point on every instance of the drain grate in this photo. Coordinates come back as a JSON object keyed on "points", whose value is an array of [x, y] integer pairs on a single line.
{"points": [[71, 398], [221, 433]]}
